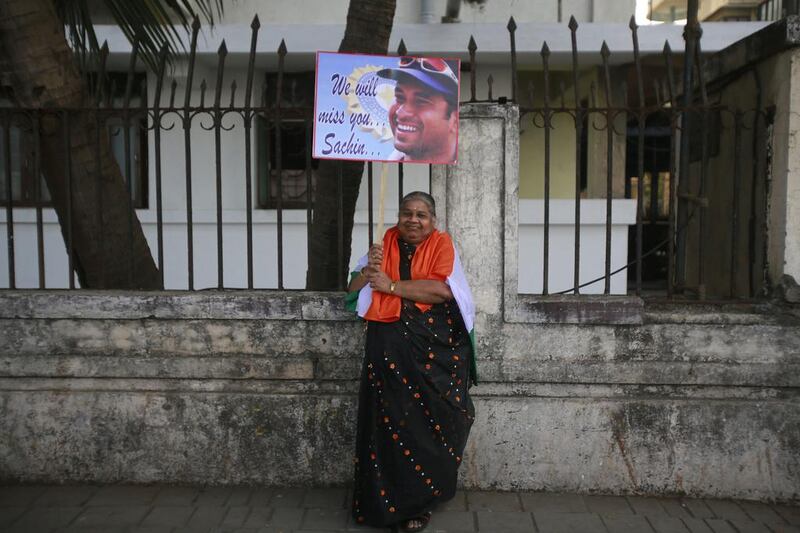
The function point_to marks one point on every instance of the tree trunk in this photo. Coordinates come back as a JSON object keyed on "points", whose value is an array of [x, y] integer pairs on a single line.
{"points": [[369, 25], [108, 244]]}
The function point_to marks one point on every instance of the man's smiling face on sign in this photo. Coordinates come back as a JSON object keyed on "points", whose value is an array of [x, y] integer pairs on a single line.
{"points": [[422, 123]]}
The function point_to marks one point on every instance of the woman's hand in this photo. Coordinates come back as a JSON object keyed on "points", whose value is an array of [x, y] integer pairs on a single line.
{"points": [[378, 280], [375, 257]]}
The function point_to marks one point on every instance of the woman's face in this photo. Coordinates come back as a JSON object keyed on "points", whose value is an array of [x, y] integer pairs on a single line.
{"points": [[415, 221]]}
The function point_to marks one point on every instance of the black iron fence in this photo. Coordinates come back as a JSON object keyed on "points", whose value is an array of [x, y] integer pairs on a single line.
{"points": [[777, 9], [684, 164]]}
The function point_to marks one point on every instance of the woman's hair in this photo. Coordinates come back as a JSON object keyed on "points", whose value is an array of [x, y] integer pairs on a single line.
{"points": [[421, 196]]}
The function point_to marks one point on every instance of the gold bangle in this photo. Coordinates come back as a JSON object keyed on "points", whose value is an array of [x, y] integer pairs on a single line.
{"points": [[392, 286]]}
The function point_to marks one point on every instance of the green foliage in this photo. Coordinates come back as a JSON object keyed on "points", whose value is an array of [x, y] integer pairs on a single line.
{"points": [[152, 23]]}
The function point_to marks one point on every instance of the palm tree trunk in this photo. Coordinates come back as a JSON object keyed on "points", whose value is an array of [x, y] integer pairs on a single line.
{"points": [[108, 244], [369, 25]]}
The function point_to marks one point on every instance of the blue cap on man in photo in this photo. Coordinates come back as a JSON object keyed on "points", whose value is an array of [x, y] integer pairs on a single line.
{"points": [[433, 72]]}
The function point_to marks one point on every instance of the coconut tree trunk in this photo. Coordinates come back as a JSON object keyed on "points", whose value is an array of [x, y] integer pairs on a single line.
{"points": [[369, 25], [108, 244]]}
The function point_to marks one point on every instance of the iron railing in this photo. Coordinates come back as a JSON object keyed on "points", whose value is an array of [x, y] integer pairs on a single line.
{"points": [[688, 123], [778, 9]]}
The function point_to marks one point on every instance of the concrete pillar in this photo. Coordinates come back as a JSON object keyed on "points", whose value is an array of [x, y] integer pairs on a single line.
{"points": [[471, 199]]}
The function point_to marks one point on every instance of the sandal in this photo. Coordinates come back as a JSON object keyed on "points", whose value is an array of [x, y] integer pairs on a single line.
{"points": [[420, 522]]}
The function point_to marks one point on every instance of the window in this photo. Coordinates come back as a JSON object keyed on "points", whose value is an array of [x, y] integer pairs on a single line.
{"points": [[297, 96], [22, 153]]}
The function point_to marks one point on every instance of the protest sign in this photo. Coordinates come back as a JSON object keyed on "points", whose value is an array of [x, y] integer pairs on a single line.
{"points": [[383, 108]]}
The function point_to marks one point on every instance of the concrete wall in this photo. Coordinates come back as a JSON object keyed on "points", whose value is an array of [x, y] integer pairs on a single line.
{"points": [[590, 395]]}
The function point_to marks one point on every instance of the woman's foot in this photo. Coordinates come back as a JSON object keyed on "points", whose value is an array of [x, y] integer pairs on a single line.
{"points": [[418, 523]]}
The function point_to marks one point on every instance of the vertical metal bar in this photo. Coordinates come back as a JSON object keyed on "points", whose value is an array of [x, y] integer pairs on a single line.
{"points": [[673, 166], [610, 118], [248, 156], [12, 280], [642, 123], [309, 185], [573, 28], [157, 145], [547, 117], [473, 67], [737, 186], [702, 242], [100, 130], [369, 203], [278, 159], [68, 179], [37, 188], [339, 228], [399, 184], [690, 32], [126, 136], [187, 142], [754, 181], [512, 28], [221, 54]]}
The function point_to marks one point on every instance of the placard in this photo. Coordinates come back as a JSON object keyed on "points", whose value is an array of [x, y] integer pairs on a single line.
{"points": [[386, 108]]}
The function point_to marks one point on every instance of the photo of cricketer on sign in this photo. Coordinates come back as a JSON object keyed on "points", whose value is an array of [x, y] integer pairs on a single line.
{"points": [[379, 108]]}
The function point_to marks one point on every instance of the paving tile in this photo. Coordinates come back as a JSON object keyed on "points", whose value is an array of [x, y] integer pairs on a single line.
{"points": [[19, 496], [123, 495], [259, 516], [790, 513], [696, 525], [727, 509], [492, 500], [327, 498], [452, 522], [240, 496], [353, 526], [608, 505], [213, 496], [719, 525], [667, 524], [749, 526], [175, 496], [150, 529], [697, 508], [646, 506], [321, 518], [65, 496], [675, 507], [457, 503], [505, 521], [94, 529], [630, 523], [164, 515], [786, 529], [235, 517], [261, 496], [287, 497], [111, 515], [286, 517], [45, 519], [206, 517], [9, 514], [553, 503], [547, 522], [761, 512]]}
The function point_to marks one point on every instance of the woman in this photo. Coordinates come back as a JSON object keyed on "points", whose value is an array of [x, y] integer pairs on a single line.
{"points": [[414, 411]]}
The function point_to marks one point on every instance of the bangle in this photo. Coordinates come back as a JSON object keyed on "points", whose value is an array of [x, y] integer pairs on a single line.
{"points": [[392, 287]]}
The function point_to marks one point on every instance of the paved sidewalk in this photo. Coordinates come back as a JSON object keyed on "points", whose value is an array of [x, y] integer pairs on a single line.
{"points": [[169, 509]]}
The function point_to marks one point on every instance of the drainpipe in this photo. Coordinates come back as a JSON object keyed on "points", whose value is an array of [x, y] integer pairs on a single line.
{"points": [[426, 12], [451, 11]]}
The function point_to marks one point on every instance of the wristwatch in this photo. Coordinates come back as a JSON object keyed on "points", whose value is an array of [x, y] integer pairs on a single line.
{"points": [[392, 286]]}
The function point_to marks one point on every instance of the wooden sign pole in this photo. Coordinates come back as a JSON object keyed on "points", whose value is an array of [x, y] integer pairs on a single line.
{"points": [[381, 198]]}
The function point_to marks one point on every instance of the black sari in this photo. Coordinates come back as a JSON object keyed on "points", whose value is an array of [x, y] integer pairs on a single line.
{"points": [[414, 411]]}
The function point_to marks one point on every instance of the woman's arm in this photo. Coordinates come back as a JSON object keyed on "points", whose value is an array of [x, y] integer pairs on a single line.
{"points": [[425, 291], [374, 257]]}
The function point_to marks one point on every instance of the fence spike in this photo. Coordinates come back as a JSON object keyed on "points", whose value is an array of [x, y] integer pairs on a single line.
{"points": [[512, 28], [162, 64], [233, 94], [401, 48], [490, 81], [279, 83], [251, 61], [101, 74], [192, 55], [131, 71], [203, 93], [473, 68], [172, 89], [637, 61], [222, 53]]}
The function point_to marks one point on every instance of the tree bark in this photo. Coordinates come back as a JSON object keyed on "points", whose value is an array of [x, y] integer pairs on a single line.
{"points": [[109, 247], [369, 26]]}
